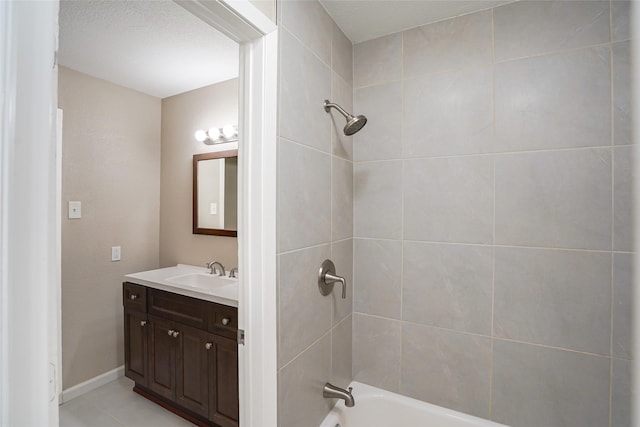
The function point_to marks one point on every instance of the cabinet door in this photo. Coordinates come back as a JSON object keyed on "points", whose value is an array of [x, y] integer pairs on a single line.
{"points": [[192, 390], [162, 357], [135, 346], [223, 381]]}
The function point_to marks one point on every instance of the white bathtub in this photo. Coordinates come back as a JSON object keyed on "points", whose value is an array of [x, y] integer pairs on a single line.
{"points": [[380, 408]]}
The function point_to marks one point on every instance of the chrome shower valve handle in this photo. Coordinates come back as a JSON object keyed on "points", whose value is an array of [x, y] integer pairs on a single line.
{"points": [[327, 277], [330, 279]]}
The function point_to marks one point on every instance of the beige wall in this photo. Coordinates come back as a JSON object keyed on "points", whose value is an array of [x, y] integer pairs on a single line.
{"points": [[111, 163], [182, 115], [112, 148]]}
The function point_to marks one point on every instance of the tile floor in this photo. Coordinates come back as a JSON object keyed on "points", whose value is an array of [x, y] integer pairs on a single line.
{"points": [[116, 405]]}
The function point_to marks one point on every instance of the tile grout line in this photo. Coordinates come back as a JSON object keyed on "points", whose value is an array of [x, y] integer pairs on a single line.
{"points": [[621, 359], [402, 199], [493, 303], [488, 64], [306, 46], [493, 272], [476, 334], [612, 224], [353, 207], [544, 248], [611, 121], [292, 251], [303, 145], [298, 355], [331, 136], [353, 216], [611, 307], [115, 418], [490, 154], [554, 52]]}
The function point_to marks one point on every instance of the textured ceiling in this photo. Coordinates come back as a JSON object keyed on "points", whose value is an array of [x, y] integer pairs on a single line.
{"points": [[158, 48], [155, 47], [363, 20]]}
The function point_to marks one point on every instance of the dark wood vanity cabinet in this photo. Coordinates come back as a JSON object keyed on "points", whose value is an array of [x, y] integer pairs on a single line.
{"points": [[135, 333], [135, 346], [179, 364], [223, 387], [162, 358], [185, 355]]}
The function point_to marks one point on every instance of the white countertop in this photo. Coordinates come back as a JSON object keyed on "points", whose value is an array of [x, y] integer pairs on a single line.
{"points": [[227, 295]]}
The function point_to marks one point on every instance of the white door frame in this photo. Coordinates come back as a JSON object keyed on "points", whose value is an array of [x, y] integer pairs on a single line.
{"points": [[28, 261], [257, 35], [28, 89], [257, 234], [257, 205]]}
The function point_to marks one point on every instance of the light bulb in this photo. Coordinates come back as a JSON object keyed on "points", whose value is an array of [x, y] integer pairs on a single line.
{"points": [[201, 135], [214, 133], [229, 131]]}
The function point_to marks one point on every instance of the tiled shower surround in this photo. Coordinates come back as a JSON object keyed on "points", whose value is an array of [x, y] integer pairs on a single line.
{"points": [[492, 213], [315, 211]]}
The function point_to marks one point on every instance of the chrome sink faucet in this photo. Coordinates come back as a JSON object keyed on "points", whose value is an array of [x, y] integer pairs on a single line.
{"points": [[212, 266], [331, 391], [233, 273]]}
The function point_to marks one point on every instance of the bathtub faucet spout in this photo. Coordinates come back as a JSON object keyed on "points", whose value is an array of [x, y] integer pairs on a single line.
{"points": [[332, 391]]}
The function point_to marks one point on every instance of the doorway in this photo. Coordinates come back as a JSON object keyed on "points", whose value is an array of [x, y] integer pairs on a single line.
{"points": [[136, 81], [258, 56]]}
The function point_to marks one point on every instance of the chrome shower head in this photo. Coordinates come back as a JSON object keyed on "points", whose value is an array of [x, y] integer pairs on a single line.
{"points": [[354, 123]]}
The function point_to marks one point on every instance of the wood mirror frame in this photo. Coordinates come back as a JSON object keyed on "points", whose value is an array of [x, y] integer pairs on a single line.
{"points": [[196, 228]]}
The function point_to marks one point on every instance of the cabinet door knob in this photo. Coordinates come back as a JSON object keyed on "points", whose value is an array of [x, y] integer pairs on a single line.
{"points": [[170, 332], [133, 297], [175, 334], [226, 321], [143, 322], [208, 346]]}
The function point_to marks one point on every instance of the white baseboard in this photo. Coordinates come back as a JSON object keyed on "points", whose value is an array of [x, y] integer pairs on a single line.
{"points": [[91, 384]]}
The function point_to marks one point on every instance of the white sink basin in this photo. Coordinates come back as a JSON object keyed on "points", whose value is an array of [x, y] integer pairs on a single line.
{"points": [[190, 281], [201, 280]]}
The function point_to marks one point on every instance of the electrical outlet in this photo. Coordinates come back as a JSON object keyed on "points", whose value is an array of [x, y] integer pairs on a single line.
{"points": [[75, 210], [115, 253]]}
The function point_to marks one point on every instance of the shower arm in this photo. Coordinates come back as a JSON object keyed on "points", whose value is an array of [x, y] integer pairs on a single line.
{"points": [[328, 105]]}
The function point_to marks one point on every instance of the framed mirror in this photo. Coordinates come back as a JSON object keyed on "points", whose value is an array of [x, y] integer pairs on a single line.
{"points": [[215, 193]]}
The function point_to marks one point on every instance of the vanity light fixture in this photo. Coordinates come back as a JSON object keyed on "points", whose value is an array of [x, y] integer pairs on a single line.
{"points": [[214, 133], [228, 133]]}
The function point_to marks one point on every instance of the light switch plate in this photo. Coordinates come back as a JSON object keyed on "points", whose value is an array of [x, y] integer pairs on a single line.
{"points": [[75, 210], [115, 253], [213, 208]]}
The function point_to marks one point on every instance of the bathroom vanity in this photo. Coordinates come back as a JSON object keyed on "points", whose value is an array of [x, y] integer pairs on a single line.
{"points": [[181, 329]]}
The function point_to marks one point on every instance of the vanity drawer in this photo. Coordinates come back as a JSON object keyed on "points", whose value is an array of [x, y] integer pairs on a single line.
{"points": [[134, 297], [223, 320], [186, 310]]}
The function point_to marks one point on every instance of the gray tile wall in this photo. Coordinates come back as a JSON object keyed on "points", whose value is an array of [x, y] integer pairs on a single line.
{"points": [[315, 211], [493, 213]]}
